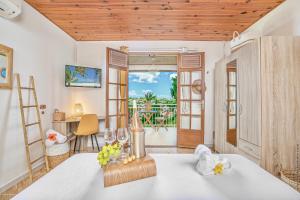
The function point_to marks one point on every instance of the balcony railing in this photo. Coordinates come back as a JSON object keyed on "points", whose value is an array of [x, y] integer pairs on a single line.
{"points": [[160, 115]]}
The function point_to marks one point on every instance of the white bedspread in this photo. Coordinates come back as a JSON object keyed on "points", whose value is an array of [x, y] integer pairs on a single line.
{"points": [[80, 177]]}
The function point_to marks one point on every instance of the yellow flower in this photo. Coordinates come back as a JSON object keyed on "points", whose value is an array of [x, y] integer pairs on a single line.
{"points": [[218, 168]]}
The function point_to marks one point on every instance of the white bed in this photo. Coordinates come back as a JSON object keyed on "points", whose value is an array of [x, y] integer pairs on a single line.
{"points": [[80, 177]]}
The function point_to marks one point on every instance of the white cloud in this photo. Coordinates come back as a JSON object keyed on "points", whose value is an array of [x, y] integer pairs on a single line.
{"points": [[145, 77], [132, 93], [173, 76]]}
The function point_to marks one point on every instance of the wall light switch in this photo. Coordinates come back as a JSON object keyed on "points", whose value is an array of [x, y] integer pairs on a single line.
{"points": [[43, 106]]}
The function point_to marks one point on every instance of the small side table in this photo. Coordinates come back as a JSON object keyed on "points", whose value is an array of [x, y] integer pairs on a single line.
{"points": [[148, 115]]}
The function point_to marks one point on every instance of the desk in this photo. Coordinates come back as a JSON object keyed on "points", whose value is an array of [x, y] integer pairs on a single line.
{"points": [[70, 125]]}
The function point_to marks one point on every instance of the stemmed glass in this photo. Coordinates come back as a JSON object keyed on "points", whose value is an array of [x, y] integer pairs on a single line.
{"points": [[122, 137], [109, 135]]}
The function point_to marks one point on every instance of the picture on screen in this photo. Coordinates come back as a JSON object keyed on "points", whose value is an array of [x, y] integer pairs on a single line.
{"points": [[78, 76]]}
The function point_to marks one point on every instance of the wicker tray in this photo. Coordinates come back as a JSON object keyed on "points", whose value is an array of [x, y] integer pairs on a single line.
{"points": [[291, 177], [118, 173]]}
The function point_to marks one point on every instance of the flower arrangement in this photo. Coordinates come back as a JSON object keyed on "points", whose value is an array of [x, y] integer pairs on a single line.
{"points": [[52, 136], [107, 152], [219, 168]]}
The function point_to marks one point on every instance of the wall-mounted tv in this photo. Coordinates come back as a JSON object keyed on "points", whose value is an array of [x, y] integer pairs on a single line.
{"points": [[79, 76]]}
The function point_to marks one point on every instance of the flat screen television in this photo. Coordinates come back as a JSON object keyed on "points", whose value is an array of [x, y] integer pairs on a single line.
{"points": [[79, 76]]}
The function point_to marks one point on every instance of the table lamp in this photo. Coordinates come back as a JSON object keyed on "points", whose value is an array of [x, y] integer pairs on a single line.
{"points": [[78, 109]]}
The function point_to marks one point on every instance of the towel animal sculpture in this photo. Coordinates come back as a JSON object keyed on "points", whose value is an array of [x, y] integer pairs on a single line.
{"points": [[54, 137], [208, 163]]}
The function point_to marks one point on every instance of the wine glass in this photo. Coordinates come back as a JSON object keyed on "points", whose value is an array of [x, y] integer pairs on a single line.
{"points": [[122, 137], [109, 135]]}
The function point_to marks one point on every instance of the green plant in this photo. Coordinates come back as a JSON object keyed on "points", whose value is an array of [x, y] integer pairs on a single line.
{"points": [[107, 152], [173, 89], [70, 76], [81, 71], [149, 96]]}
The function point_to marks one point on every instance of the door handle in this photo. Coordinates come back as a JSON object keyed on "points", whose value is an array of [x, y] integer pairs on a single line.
{"points": [[203, 105], [225, 107], [240, 109]]}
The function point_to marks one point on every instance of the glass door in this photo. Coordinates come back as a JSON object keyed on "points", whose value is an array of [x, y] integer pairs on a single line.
{"points": [[190, 103], [231, 103], [116, 89]]}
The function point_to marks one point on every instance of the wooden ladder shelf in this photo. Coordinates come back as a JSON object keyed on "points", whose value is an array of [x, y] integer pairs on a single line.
{"points": [[26, 125]]}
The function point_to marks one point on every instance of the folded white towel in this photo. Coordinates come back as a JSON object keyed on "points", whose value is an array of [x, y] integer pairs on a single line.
{"points": [[206, 164], [59, 137], [200, 151], [49, 142], [206, 161]]}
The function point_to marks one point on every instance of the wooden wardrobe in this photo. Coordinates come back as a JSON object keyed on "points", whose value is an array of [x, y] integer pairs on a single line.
{"points": [[267, 105]]}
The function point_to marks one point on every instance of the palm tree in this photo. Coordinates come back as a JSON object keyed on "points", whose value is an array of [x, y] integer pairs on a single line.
{"points": [[173, 89], [81, 71], [149, 96], [70, 77]]}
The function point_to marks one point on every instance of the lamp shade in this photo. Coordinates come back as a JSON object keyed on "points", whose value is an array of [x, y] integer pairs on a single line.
{"points": [[78, 109]]}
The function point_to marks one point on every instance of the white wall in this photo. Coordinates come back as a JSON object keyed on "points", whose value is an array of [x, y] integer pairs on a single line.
{"points": [[40, 49], [283, 20], [94, 54]]}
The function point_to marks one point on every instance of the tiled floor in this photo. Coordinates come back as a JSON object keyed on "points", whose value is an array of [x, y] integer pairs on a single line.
{"points": [[39, 173]]}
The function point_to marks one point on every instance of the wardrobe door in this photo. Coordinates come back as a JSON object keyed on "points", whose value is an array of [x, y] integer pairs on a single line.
{"points": [[280, 102], [220, 106], [248, 67]]}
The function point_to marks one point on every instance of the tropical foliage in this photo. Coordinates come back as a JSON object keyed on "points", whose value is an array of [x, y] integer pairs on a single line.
{"points": [[173, 89], [158, 104], [71, 74], [158, 109], [149, 96], [142, 101], [80, 70]]}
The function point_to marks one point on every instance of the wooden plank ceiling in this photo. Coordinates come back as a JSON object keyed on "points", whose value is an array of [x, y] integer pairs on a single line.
{"points": [[90, 20]]}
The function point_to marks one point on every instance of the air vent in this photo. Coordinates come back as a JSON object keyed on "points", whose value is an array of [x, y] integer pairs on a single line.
{"points": [[10, 8], [153, 59], [192, 60], [118, 59]]}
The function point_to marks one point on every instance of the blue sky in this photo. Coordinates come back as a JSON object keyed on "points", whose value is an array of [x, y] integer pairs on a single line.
{"points": [[157, 82]]}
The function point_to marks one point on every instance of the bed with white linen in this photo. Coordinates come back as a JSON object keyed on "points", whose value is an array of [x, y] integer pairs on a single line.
{"points": [[80, 177]]}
